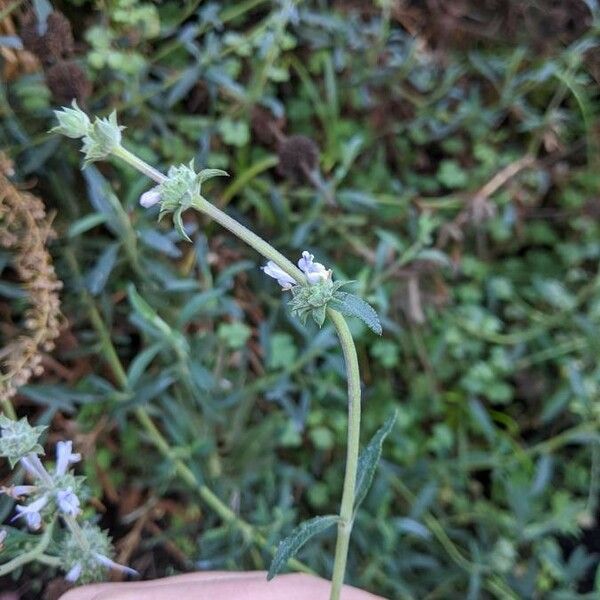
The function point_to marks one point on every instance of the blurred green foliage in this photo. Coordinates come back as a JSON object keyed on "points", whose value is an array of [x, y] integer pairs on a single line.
{"points": [[464, 170]]}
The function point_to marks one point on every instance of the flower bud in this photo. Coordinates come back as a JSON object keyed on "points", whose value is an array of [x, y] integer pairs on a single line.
{"points": [[72, 122], [18, 439], [151, 197]]}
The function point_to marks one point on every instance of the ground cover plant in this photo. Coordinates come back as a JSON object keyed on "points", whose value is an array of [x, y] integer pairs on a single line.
{"points": [[445, 158]]}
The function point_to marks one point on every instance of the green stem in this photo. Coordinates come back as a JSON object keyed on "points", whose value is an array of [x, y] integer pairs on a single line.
{"points": [[253, 240], [350, 358], [31, 555], [354, 401], [139, 164]]}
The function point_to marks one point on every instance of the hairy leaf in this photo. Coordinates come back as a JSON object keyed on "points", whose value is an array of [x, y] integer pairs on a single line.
{"points": [[290, 545], [354, 306], [369, 458]]}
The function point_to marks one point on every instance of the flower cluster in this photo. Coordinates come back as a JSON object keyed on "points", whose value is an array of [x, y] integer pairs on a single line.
{"points": [[321, 293], [315, 272], [86, 550], [100, 138], [90, 562], [178, 192], [311, 299]]}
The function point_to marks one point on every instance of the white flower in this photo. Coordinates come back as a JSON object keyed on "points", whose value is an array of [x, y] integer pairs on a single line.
{"points": [[151, 197], [68, 502], [315, 272], [65, 457], [111, 564], [33, 465], [74, 573], [31, 512], [283, 279], [16, 491]]}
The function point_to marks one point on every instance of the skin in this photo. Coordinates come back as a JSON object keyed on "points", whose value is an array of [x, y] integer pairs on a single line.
{"points": [[218, 585]]}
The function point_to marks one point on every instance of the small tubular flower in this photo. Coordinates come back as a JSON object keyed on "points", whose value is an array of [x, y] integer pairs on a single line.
{"points": [[34, 467], [68, 502], [17, 491], [151, 197], [314, 271], [65, 457], [111, 564], [74, 573], [31, 512], [283, 279]]}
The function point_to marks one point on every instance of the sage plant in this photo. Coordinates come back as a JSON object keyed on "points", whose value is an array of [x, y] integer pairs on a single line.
{"points": [[314, 294], [53, 495]]}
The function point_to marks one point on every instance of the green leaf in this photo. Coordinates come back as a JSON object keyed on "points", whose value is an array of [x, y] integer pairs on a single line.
{"points": [[318, 314], [354, 306], [151, 317], [178, 222], [207, 174], [290, 545], [97, 278], [369, 458], [235, 335], [85, 224]]}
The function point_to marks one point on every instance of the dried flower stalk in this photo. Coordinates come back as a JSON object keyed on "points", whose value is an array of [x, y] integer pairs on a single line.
{"points": [[25, 231]]}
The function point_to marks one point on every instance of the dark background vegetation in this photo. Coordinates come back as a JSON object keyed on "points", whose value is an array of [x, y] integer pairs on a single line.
{"points": [[458, 184]]}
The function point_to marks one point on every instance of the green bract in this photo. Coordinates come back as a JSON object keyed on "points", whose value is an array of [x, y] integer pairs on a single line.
{"points": [[102, 138], [312, 300], [86, 559], [179, 190], [72, 122], [18, 439]]}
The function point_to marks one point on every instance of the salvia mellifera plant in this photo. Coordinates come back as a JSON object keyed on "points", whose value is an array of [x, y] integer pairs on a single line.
{"points": [[313, 294]]}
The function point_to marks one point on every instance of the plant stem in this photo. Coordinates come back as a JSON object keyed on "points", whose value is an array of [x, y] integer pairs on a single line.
{"points": [[253, 240], [350, 358], [139, 164], [354, 401], [32, 554]]}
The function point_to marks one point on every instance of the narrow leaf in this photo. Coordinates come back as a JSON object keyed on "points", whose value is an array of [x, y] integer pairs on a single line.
{"points": [[290, 545], [207, 174], [368, 459], [96, 279], [354, 306], [150, 317]]}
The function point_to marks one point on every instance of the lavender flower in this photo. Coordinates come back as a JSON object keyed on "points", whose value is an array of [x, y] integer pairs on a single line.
{"points": [[283, 279], [59, 487], [31, 512], [65, 457], [16, 491], [151, 197], [315, 272], [68, 502]]}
